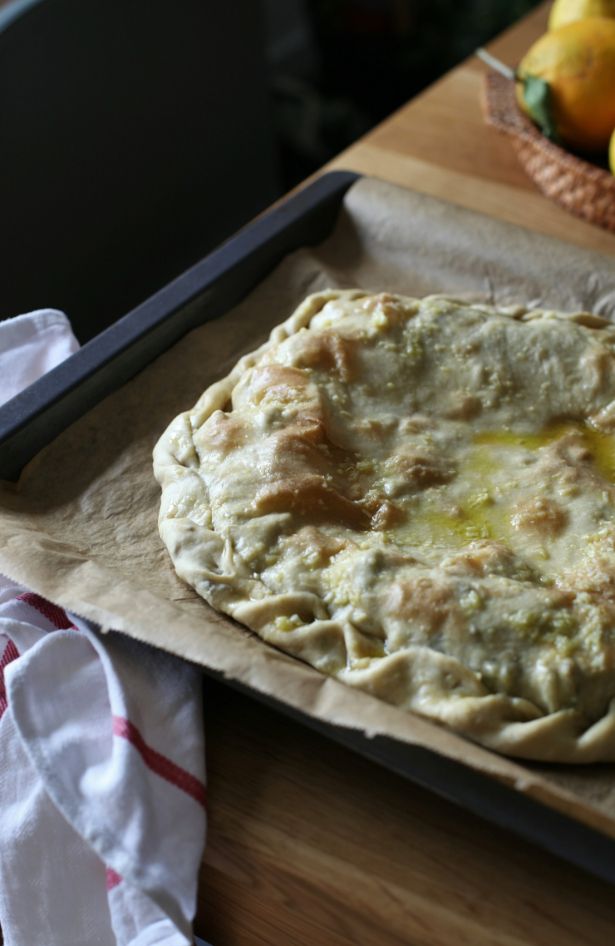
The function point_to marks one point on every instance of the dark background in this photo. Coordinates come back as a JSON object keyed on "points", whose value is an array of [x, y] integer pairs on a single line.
{"points": [[137, 135], [338, 67]]}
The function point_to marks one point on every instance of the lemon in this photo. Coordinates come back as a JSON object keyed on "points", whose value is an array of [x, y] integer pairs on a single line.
{"points": [[578, 63], [612, 153], [567, 11]]}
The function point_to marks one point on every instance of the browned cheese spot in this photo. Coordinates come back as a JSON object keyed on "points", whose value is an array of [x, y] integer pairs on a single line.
{"points": [[419, 469], [277, 383], [310, 495], [222, 433], [302, 447], [302, 476], [483, 558], [390, 307], [541, 515], [386, 516], [328, 351], [318, 544], [424, 602]]}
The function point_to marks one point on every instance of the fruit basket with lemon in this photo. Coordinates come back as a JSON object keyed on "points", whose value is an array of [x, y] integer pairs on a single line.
{"points": [[558, 107]]}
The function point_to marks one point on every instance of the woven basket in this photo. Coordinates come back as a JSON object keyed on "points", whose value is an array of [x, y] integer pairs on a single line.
{"points": [[582, 188]]}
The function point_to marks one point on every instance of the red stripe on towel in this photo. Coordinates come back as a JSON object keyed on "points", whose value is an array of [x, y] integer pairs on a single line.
{"points": [[112, 878], [9, 654], [55, 615], [159, 763]]}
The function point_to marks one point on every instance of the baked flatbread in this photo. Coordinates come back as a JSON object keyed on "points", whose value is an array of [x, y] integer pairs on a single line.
{"points": [[416, 497]]}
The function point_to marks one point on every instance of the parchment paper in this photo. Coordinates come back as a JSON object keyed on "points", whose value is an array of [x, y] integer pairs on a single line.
{"points": [[81, 525]]}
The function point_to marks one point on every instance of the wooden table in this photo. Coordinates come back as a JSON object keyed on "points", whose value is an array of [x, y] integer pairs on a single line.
{"points": [[310, 845]]}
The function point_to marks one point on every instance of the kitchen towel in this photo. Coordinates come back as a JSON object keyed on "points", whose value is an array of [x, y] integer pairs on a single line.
{"points": [[102, 783]]}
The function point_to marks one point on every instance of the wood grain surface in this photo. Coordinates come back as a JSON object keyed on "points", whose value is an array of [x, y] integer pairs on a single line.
{"points": [[310, 845]]}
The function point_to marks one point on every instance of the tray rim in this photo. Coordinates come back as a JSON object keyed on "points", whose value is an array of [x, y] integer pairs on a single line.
{"points": [[47, 393]]}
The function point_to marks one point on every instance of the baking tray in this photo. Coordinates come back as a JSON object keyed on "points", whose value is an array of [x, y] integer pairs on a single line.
{"points": [[207, 291]]}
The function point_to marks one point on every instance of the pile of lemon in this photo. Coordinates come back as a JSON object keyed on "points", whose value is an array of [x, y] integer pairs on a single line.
{"points": [[576, 60]]}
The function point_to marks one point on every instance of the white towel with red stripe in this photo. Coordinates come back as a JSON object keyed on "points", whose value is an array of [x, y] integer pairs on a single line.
{"points": [[102, 793]]}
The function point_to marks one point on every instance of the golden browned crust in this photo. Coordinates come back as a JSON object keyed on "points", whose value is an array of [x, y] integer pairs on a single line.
{"points": [[416, 496]]}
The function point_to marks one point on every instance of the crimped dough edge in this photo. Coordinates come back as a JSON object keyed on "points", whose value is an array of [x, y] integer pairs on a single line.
{"points": [[455, 696]]}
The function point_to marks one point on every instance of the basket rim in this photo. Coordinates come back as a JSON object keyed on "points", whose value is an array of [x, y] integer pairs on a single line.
{"points": [[503, 113]]}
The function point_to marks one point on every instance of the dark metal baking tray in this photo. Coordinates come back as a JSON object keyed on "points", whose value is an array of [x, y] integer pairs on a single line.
{"points": [[36, 416], [207, 291]]}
